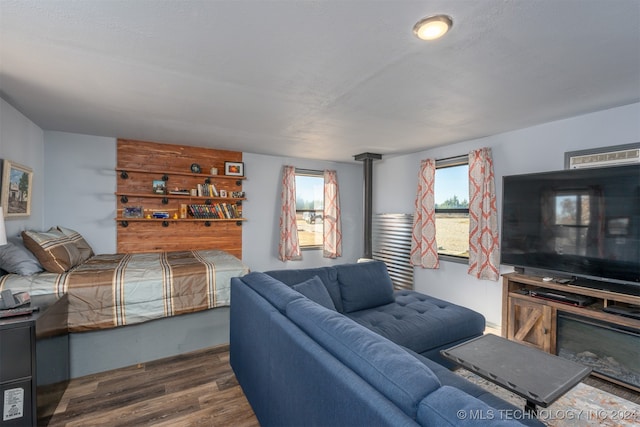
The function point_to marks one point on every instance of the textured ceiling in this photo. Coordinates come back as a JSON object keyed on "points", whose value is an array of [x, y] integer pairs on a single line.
{"points": [[314, 79]]}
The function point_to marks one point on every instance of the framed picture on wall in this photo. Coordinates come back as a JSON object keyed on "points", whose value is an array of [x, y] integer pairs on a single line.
{"points": [[16, 189], [234, 168], [159, 186]]}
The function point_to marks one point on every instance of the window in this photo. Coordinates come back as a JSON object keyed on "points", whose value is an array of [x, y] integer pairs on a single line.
{"points": [[309, 208], [451, 195], [572, 222]]}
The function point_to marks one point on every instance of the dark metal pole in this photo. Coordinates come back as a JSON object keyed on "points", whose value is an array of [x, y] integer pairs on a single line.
{"points": [[368, 159]]}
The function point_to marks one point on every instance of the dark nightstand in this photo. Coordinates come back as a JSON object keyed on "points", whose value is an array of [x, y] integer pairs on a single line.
{"points": [[34, 351]]}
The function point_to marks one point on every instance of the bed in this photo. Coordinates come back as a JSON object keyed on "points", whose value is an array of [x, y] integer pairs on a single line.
{"points": [[111, 290]]}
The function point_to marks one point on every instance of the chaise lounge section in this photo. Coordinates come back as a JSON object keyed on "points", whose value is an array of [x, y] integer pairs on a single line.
{"points": [[303, 356], [364, 293]]}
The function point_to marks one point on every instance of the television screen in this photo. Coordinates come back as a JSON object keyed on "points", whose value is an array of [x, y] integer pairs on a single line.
{"points": [[578, 222]]}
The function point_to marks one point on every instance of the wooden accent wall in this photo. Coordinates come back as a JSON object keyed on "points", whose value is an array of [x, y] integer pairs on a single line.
{"points": [[145, 162]]}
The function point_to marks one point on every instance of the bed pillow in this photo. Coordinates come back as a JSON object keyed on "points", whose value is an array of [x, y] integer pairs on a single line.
{"points": [[315, 290], [55, 251], [15, 258], [84, 248]]}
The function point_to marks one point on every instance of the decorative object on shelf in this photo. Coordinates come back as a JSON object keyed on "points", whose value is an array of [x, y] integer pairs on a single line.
{"points": [[195, 168], [179, 191], [223, 193], [161, 214], [159, 186], [133, 212], [16, 190], [214, 171], [237, 194], [234, 168]]}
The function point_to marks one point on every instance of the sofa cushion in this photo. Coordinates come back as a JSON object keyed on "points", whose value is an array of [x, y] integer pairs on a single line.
{"points": [[315, 290], [448, 406], [393, 372], [421, 322], [274, 291], [364, 285], [328, 275]]}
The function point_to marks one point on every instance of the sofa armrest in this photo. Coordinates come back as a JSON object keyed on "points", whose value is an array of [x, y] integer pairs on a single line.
{"points": [[448, 406]]}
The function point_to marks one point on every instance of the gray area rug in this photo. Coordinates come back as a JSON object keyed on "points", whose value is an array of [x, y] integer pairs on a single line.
{"points": [[583, 405]]}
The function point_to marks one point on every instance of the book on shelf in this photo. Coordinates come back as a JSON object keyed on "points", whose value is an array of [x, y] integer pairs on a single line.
{"points": [[206, 190], [214, 211]]}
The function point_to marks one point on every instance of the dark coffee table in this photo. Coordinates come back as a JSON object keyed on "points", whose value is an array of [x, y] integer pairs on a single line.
{"points": [[539, 377]]}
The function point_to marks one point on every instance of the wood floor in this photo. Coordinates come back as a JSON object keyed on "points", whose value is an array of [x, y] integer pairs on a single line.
{"points": [[195, 389]]}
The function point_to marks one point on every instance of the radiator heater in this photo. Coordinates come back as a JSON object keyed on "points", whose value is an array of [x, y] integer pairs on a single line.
{"points": [[391, 244]]}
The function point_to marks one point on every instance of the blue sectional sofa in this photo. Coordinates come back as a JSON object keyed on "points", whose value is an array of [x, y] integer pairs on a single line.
{"points": [[335, 346]]}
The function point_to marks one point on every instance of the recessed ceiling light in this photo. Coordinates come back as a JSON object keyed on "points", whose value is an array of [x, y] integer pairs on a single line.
{"points": [[432, 27]]}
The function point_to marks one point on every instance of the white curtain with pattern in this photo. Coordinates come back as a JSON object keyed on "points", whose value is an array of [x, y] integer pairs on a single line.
{"points": [[289, 246], [332, 237], [424, 248], [484, 242]]}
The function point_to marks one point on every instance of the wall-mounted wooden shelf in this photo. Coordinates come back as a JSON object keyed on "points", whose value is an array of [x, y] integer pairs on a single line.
{"points": [[180, 219], [180, 196], [173, 172], [142, 163]]}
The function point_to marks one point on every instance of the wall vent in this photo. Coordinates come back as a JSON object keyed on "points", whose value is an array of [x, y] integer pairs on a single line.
{"points": [[612, 158], [391, 244]]}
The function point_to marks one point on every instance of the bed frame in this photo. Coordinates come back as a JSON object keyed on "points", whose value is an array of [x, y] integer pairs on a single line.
{"points": [[98, 351]]}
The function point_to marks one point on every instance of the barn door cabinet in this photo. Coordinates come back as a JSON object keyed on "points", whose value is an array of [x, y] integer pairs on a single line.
{"points": [[533, 321]]}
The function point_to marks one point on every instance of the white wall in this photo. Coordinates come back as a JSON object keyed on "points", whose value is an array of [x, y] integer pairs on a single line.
{"points": [[535, 149], [262, 208], [21, 141], [80, 186]]}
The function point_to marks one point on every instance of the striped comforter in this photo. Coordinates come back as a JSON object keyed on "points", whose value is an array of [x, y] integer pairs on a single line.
{"points": [[111, 290]]}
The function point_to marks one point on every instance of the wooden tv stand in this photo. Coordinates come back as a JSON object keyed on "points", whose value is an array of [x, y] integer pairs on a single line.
{"points": [[533, 321]]}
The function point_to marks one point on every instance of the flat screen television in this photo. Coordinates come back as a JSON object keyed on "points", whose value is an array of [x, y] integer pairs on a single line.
{"points": [[576, 223]]}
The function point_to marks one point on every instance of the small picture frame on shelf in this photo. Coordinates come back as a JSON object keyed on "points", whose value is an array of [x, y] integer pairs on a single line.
{"points": [[159, 186], [234, 168], [223, 193], [133, 212]]}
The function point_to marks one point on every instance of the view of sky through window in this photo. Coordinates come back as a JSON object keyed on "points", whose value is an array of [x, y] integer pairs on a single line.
{"points": [[452, 182], [309, 192]]}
